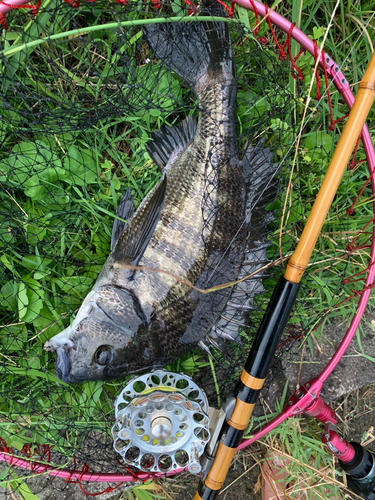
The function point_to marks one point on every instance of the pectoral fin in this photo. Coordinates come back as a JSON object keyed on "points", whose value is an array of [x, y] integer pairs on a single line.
{"points": [[133, 241], [125, 210]]}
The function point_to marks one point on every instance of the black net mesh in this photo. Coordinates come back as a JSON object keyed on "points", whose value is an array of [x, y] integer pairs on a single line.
{"points": [[78, 108]]}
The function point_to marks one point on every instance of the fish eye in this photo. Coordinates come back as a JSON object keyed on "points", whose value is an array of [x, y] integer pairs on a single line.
{"points": [[103, 355]]}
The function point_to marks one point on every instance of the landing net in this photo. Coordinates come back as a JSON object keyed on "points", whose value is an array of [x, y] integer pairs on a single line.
{"points": [[81, 95]]}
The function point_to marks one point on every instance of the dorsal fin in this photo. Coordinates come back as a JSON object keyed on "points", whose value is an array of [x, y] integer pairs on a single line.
{"points": [[133, 241], [125, 210], [169, 142]]}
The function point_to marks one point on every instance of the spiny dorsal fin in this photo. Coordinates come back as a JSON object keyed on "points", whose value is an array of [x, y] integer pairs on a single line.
{"points": [[169, 142], [125, 210], [133, 241]]}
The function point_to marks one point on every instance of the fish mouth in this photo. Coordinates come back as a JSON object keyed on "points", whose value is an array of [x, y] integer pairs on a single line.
{"points": [[65, 355]]}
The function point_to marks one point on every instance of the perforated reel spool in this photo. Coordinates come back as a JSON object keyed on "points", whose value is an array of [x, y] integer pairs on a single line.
{"points": [[161, 422]]}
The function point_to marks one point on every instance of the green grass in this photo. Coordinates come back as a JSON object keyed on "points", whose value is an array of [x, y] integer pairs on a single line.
{"points": [[58, 235]]}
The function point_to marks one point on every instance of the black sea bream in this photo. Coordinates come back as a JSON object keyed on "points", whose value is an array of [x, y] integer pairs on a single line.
{"points": [[194, 224]]}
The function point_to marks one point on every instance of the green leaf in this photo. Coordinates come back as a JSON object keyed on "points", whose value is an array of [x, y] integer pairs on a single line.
{"points": [[31, 362], [35, 234], [32, 373], [23, 301], [30, 300], [243, 15], [6, 234], [135, 37], [76, 285], [176, 7], [15, 442], [46, 322], [13, 338], [250, 106], [8, 296], [4, 170], [142, 495], [34, 262], [318, 32], [370, 358], [101, 241], [56, 197], [319, 144], [22, 488], [192, 364], [36, 192], [324, 287], [154, 112], [29, 159], [35, 304], [3, 474], [80, 167], [37, 185]]}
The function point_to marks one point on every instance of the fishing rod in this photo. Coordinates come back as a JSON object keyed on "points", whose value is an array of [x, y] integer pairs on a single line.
{"points": [[247, 390]]}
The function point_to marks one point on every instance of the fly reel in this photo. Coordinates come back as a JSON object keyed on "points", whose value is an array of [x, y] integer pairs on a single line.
{"points": [[161, 423]]}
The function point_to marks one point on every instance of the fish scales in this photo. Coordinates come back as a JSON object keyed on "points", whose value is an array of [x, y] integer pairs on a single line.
{"points": [[177, 243], [191, 224]]}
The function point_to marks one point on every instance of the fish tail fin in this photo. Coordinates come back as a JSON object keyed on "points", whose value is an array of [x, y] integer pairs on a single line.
{"points": [[192, 49]]}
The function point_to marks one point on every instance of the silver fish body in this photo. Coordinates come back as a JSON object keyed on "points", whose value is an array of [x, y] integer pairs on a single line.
{"points": [[191, 224]]}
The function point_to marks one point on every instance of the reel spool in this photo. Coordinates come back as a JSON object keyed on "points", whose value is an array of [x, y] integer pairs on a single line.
{"points": [[161, 423]]}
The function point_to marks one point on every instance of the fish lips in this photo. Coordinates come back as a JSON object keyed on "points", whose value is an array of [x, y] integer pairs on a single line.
{"points": [[65, 357]]}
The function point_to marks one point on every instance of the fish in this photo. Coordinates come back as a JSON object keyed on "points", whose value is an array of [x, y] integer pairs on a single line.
{"points": [[194, 224]]}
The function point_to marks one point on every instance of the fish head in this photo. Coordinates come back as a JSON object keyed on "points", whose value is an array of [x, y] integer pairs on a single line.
{"points": [[105, 340]]}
